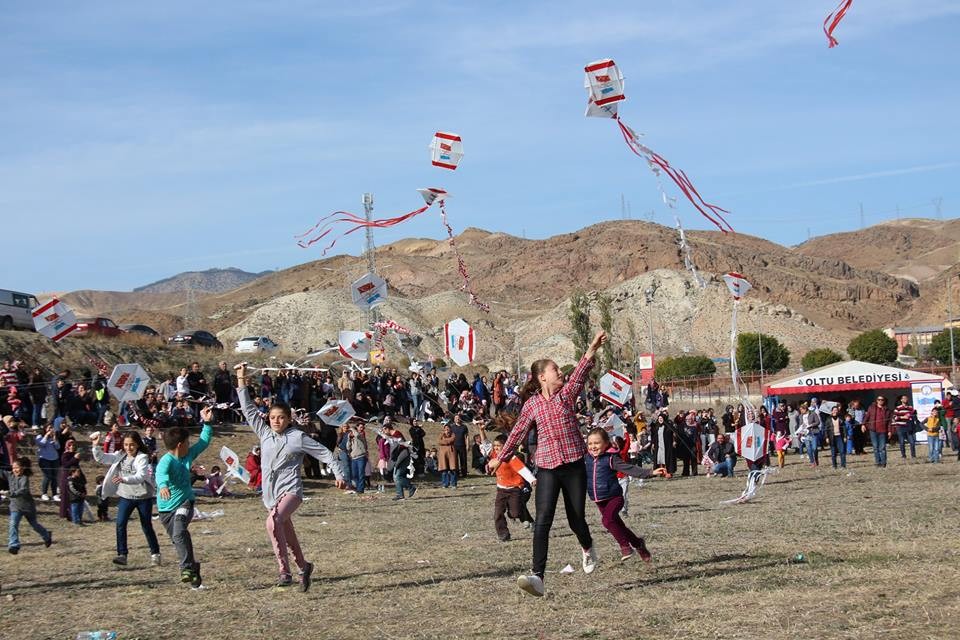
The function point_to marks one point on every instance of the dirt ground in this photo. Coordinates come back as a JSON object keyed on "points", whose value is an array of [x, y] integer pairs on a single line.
{"points": [[880, 549]]}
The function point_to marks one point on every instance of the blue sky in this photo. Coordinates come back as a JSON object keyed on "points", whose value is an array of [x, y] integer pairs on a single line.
{"points": [[141, 140]]}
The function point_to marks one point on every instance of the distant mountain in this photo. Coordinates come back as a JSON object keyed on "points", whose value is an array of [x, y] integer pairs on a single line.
{"points": [[209, 281]]}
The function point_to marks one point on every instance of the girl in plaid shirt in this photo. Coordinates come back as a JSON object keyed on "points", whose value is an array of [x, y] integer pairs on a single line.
{"points": [[549, 402]]}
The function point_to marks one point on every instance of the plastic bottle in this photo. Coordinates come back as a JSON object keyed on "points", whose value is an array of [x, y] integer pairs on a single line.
{"points": [[97, 635]]}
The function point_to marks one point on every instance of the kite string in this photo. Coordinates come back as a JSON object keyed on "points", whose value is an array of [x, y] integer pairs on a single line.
{"points": [[461, 265], [832, 20], [735, 368]]}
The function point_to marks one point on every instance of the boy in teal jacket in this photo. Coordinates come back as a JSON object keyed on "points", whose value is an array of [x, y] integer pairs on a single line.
{"points": [[175, 495]]}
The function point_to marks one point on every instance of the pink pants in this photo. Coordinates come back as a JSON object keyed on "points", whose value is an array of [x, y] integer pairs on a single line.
{"points": [[282, 535]]}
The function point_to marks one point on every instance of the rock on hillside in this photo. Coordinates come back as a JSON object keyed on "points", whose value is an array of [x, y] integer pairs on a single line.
{"points": [[209, 281]]}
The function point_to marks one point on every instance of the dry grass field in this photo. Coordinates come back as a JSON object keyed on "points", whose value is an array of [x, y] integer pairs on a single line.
{"points": [[880, 546]]}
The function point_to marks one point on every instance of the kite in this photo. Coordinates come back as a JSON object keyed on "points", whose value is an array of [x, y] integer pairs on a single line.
{"points": [[684, 249], [369, 291], [336, 412], [604, 84], [616, 388], [446, 150], [751, 441], [832, 20], [613, 426], [738, 286], [233, 466], [355, 345], [54, 320], [755, 480], [128, 382], [431, 196], [459, 342]]}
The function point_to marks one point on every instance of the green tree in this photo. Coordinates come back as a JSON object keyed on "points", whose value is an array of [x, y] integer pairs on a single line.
{"points": [[940, 346], [684, 367], [775, 355], [909, 350], [605, 306], [816, 358], [580, 322], [873, 346]]}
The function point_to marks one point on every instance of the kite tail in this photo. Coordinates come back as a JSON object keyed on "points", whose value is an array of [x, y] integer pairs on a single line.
{"points": [[461, 265], [832, 20], [688, 257], [327, 224], [658, 163]]}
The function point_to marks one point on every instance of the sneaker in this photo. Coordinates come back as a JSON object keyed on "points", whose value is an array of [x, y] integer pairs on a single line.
{"points": [[45, 498], [397, 498], [505, 538], [155, 559], [589, 560], [186, 575], [527, 525], [413, 490], [48, 541], [305, 577], [56, 498], [121, 560], [285, 580], [643, 552], [626, 554], [531, 584], [197, 580], [13, 550]]}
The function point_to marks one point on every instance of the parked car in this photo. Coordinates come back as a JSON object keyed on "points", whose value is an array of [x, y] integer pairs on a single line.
{"points": [[195, 338], [141, 329], [98, 325], [16, 309], [256, 344]]}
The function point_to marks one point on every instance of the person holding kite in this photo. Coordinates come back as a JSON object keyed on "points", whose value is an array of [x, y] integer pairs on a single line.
{"points": [[549, 402], [281, 457]]}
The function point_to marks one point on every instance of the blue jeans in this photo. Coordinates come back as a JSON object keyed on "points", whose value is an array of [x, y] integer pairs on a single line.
{"points": [[879, 442], [813, 453], [904, 435], [14, 529], [448, 478], [37, 410], [401, 480], [358, 470], [934, 447], [345, 465], [725, 468], [125, 509], [76, 511], [838, 446]]}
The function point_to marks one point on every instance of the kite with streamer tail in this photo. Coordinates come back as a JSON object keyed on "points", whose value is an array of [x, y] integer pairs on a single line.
{"points": [[687, 257], [832, 20], [755, 480], [605, 89], [738, 286], [353, 222]]}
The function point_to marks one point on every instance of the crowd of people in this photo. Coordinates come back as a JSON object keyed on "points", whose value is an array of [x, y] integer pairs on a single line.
{"points": [[553, 428]]}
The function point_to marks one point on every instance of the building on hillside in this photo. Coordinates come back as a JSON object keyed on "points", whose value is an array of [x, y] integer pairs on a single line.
{"points": [[919, 338]]}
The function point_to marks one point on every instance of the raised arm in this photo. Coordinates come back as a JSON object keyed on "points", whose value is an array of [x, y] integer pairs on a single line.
{"points": [[254, 418], [574, 386], [100, 456]]}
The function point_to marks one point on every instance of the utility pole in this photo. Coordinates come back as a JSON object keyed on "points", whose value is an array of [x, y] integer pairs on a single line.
{"points": [[629, 212], [938, 205], [861, 215], [372, 315], [953, 360], [623, 207], [648, 295], [760, 345]]}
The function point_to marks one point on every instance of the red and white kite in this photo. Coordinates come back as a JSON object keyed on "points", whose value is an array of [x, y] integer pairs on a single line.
{"points": [[128, 382], [233, 465], [832, 20], [54, 319], [336, 412], [737, 284], [354, 223], [604, 84], [459, 342], [751, 441], [355, 344], [446, 150], [613, 426], [369, 291], [616, 388]]}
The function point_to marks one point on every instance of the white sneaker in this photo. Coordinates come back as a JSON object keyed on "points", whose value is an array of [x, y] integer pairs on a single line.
{"points": [[45, 498], [56, 498], [531, 584], [155, 559], [589, 560]]}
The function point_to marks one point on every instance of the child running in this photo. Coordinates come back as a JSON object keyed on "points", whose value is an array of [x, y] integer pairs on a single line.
{"points": [[603, 462], [175, 493], [549, 402], [281, 456], [512, 478], [22, 505]]}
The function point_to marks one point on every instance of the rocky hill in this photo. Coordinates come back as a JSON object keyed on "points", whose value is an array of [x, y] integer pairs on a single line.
{"points": [[209, 281]]}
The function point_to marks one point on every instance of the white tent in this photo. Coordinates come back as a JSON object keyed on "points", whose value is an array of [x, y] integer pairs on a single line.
{"points": [[851, 375]]}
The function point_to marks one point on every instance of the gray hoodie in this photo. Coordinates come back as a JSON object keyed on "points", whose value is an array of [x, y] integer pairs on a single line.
{"points": [[20, 498], [281, 454]]}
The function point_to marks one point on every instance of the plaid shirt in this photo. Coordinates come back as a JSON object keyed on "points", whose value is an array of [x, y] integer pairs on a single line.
{"points": [[558, 432]]}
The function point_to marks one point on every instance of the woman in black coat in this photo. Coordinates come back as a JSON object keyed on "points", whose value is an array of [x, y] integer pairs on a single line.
{"points": [[662, 436]]}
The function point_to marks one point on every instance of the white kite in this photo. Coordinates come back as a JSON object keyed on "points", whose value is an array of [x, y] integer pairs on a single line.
{"points": [[233, 466], [128, 382], [616, 388], [336, 412], [54, 319], [369, 291], [603, 81], [613, 426], [752, 441], [459, 341], [446, 150], [355, 344]]}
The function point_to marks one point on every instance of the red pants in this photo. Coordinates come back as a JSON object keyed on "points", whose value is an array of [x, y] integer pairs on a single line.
{"points": [[612, 522]]}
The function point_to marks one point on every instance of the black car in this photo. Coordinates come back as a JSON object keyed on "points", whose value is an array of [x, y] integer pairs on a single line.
{"points": [[195, 338], [141, 329]]}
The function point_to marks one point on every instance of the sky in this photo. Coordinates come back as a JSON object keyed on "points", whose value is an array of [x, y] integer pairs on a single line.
{"points": [[139, 140]]}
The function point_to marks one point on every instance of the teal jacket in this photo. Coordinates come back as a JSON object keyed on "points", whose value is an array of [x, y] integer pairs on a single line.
{"points": [[174, 473]]}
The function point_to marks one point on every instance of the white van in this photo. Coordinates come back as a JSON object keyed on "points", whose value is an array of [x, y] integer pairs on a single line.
{"points": [[16, 309]]}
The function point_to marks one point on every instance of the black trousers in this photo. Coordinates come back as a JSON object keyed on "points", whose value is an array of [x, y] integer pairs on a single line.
{"points": [[571, 480], [512, 502], [461, 461]]}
